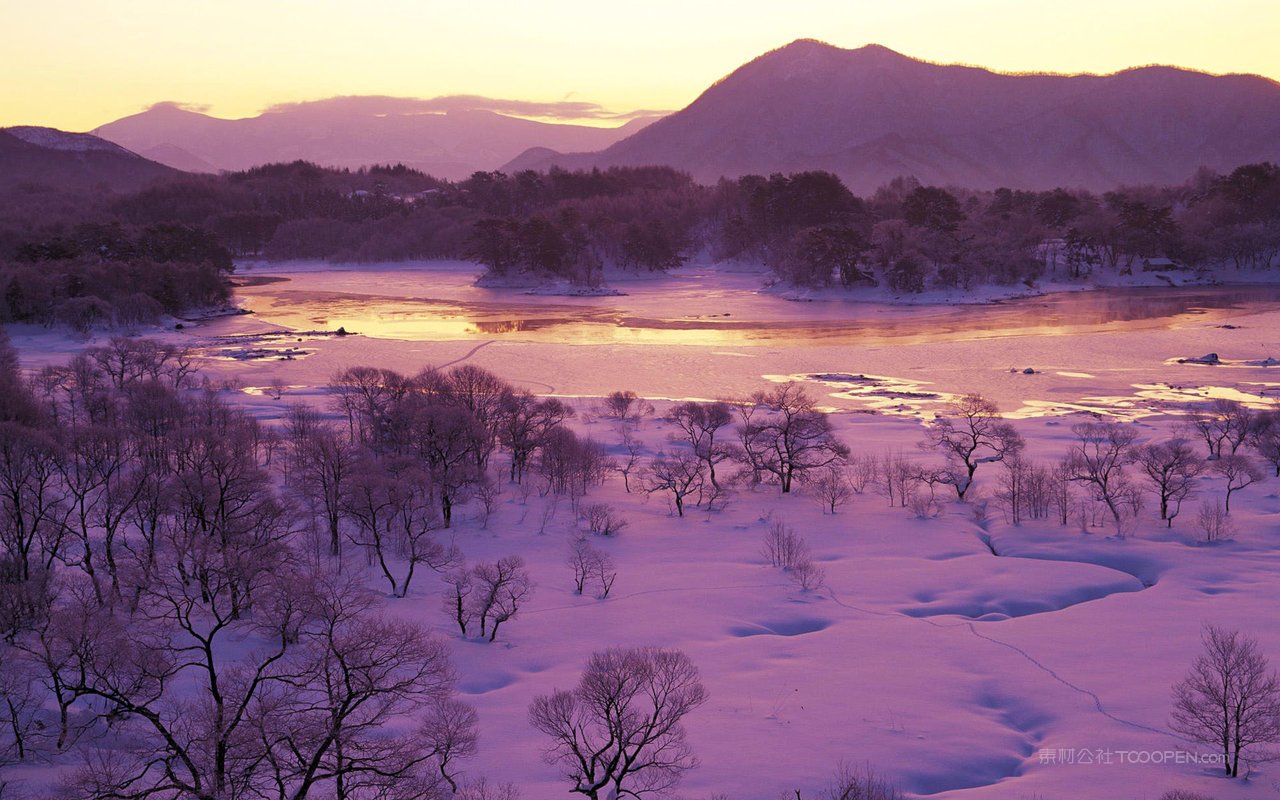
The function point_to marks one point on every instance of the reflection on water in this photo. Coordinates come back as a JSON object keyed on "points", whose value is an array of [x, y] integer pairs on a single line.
{"points": [[755, 320], [513, 325]]}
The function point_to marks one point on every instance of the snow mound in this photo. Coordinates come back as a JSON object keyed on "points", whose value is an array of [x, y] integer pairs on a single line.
{"points": [[788, 627]]}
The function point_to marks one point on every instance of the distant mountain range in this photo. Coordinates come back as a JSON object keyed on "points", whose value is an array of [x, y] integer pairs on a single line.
{"points": [[46, 157], [871, 114], [447, 140]]}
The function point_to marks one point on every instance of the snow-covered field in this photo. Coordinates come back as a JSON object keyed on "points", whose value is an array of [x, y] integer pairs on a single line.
{"points": [[961, 656]]}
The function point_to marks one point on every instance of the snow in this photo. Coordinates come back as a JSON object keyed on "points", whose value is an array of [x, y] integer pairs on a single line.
{"points": [[929, 657], [54, 139], [959, 672]]}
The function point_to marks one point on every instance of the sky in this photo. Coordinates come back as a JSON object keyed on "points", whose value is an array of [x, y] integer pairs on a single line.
{"points": [[76, 64]]}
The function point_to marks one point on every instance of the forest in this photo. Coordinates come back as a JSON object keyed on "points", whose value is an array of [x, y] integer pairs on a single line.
{"points": [[82, 259]]}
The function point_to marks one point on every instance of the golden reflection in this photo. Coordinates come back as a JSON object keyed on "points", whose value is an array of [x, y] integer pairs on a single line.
{"points": [[753, 322]]}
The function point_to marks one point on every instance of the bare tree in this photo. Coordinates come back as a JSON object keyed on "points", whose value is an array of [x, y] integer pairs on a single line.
{"points": [[831, 486], [1060, 490], [481, 789], [603, 520], [1265, 439], [581, 560], [322, 723], [1214, 522], [701, 424], [606, 573], [485, 397], [125, 360], [633, 447], [897, 477], [1098, 460], [619, 732], [590, 564], [1239, 472], [972, 434], [783, 547], [320, 468], [171, 669], [1230, 699], [392, 503], [1172, 468], [808, 575], [863, 469], [457, 597], [1014, 487], [791, 437], [681, 475], [499, 589], [626, 404], [1224, 425], [366, 396], [488, 491], [525, 423], [571, 464], [22, 699], [450, 442], [31, 507], [787, 550]]}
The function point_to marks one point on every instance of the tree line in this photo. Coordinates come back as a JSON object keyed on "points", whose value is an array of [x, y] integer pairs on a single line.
{"points": [[574, 225]]}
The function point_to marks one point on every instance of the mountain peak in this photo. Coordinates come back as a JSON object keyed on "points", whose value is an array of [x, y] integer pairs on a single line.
{"points": [[812, 57], [816, 48], [871, 114]]}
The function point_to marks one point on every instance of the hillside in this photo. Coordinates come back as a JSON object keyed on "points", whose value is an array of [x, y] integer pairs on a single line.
{"points": [[872, 114], [50, 158]]}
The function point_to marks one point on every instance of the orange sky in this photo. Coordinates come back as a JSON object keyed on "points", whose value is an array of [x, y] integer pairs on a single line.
{"points": [[75, 64]]}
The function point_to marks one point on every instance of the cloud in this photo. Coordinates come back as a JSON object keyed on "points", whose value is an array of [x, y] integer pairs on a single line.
{"points": [[199, 108], [407, 106]]}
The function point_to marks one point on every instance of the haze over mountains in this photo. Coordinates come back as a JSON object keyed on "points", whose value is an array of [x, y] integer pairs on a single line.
{"points": [[871, 114], [445, 137]]}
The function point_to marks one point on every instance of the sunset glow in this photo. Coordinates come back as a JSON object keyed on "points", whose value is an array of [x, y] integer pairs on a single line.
{"points": [[77, 64]]}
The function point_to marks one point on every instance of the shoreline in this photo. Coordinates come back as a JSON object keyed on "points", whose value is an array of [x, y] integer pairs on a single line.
{"points": [[260, 273]]}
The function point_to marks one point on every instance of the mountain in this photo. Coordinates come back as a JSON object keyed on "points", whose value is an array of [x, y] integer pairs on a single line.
{"points": [[447, 140], [71, 161], [871, 114]]}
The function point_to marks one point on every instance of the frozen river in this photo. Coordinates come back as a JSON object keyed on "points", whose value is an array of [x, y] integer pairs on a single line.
{"points": [[699, 307], [707, 333]]}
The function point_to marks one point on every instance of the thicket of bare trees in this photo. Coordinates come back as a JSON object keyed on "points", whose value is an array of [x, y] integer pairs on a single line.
{"points": [[1224, 425], [162, 618], [1028, 490], [489, 594], [590, 566], [787, 550], [1099, 461]]}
